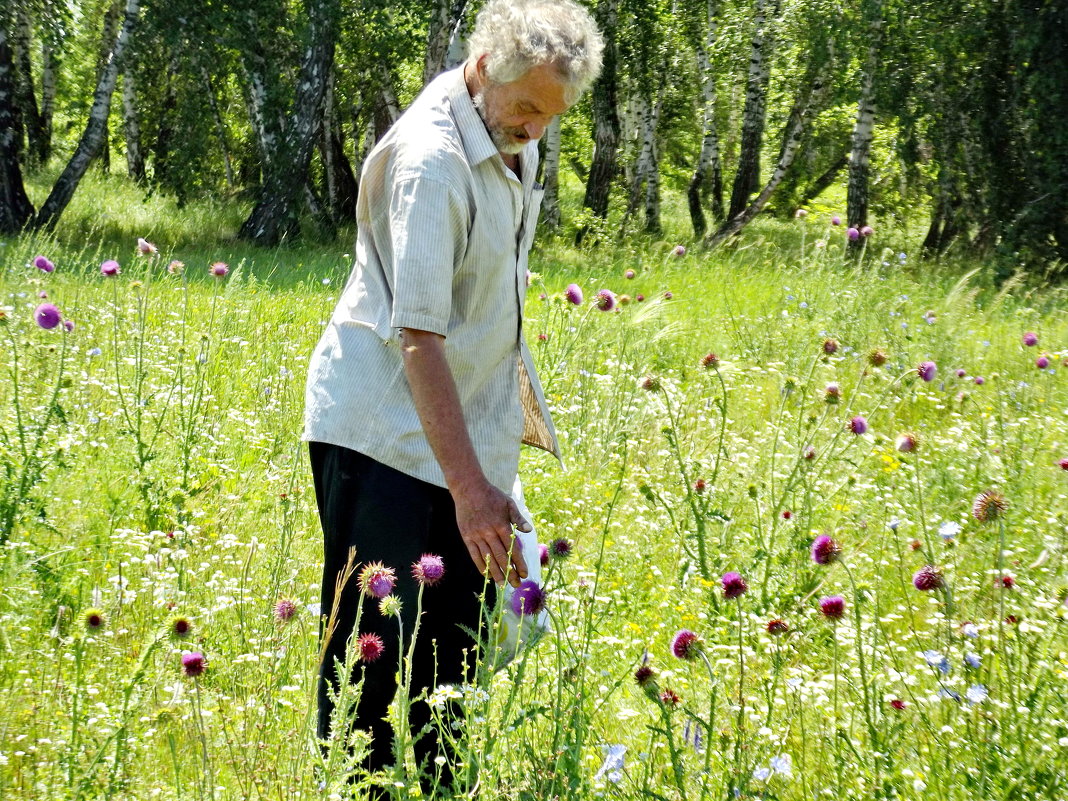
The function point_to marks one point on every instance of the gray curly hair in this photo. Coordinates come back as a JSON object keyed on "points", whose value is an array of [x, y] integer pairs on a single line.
{"points": [[516, 35]]}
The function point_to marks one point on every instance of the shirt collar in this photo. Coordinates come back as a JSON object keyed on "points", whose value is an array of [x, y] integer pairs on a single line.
{"points": [[476, 139]]}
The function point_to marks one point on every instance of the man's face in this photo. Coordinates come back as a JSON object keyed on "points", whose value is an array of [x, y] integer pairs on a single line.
{"points": [[519, 112]]}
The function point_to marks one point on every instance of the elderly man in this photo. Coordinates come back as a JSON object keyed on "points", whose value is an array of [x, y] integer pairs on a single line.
{"points": [[422, 388]]}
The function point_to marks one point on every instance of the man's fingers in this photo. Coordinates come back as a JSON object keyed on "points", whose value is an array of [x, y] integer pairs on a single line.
{"points": [[518, 520], [484, 561]]}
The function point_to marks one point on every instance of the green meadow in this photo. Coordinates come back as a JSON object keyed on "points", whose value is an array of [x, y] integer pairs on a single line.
{"points": [[897, 629]]}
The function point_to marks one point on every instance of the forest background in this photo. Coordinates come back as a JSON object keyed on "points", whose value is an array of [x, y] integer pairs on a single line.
{"points": [[940, 114]]}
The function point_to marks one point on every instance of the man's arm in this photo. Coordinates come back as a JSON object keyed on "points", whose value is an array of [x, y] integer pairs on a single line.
{"points": [[484, 514]]}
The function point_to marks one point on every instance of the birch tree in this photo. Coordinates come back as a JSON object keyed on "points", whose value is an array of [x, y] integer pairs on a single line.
{"points": [[275, 215], [605, 118], [15, 207], [747, 177], [863, 130], [93, 138], [706, 184]]}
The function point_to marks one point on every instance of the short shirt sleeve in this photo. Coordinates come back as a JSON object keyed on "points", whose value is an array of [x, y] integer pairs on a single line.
{"points": [[428, 230]]}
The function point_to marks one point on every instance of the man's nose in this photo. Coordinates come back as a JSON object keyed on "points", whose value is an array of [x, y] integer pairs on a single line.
{"points": [[534, 130]]}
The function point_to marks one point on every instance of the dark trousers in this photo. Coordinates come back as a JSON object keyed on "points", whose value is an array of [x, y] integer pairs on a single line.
{"points": [[392, 518]]}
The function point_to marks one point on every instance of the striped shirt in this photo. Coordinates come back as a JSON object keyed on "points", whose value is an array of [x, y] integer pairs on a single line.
{"points": [[444, 229]]}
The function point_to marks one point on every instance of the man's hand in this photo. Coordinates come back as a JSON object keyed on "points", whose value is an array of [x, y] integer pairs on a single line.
{"points": [[485, 516]]}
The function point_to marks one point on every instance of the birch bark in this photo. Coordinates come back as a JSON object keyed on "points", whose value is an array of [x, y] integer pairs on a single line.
{"points": [[707, 181], [95, 134]]}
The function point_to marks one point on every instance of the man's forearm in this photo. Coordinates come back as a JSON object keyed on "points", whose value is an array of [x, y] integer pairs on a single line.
{"points": [[438, 405], [484, 514]]}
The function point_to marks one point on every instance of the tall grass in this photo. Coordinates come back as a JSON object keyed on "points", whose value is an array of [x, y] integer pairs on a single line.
{"points": [[152, 463]]}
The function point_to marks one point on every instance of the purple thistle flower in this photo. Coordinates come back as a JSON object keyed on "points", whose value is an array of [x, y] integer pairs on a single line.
{"points": [[836, 220], [629, 274], [853, 234], [906, 443], [927, 371], [573, 293], [979, 380], [561, 548], [1042, 362], [832, 607], [68, 325], [734, 585], [429, 569], [1030, 339], [146, 248], [686, 645], [928, 578], [43, 264], [832, 393], [606, 300], [858, 425], [377, 580], [219, 269], [824, 550], [47, 315], [110, 268], [867, 230], [528, 598], [181, 627], [284, 610], [830, 346], [678, 251], [370, 647], [644, 675], [961, 372], [543, 553], [94, 619], [193, 664]]}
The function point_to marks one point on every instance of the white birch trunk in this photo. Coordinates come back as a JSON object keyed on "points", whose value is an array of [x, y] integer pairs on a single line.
{"points": [[550, 204], [95, 130], [457, 52], [799, 120], [707, 176], [864, 130], [753, 117], [135, 162], [444, 19]]}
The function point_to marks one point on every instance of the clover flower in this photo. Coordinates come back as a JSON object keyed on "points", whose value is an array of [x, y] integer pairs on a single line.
{"points": [[1042, 362], [678, 251]]}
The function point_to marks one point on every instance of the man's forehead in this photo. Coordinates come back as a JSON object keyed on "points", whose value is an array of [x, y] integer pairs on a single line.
{"points": [[541, 90]]}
